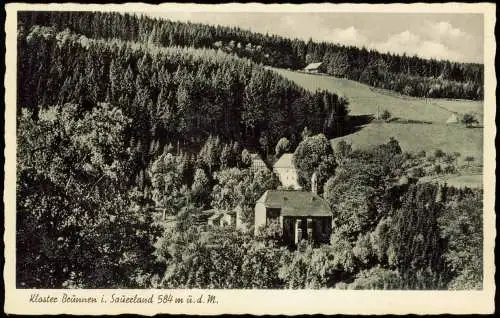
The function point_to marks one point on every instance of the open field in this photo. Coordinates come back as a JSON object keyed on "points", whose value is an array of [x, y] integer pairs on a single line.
{"points": [[470, 181], [364, 100], [417, 137], [431, 134], [458, 181], [413, 137]]}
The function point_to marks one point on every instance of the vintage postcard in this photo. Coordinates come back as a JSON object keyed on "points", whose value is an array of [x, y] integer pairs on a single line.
{"points": [[249, 159]]}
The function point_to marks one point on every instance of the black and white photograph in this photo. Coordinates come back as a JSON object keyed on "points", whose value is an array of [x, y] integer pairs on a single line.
{"points": [[250, 150]]}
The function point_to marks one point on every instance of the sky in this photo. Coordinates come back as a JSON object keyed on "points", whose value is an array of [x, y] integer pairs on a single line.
{"points": [[456, 37]]}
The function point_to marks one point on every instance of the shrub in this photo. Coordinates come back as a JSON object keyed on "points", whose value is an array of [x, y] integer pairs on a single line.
{"points": [[408, 90], [437, 169], [282, 146], [469, 119], [418, 172], [438, 153], [449, 169], [421, 154], [386, 115]]}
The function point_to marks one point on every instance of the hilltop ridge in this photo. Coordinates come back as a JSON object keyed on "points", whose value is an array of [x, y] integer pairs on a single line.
{"points": [[411, 76]]}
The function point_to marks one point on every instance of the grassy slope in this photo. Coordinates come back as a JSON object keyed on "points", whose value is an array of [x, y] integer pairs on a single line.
{"points": [[412, 137], [465, 180], [364, 100]]}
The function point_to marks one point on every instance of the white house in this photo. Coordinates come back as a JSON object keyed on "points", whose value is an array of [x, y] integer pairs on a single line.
{"points": [[298, 214], [222, 218], [453, 119], [286, 171], [313, 67]]}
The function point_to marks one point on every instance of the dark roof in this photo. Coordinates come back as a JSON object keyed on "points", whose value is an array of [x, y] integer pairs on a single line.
{"points": [[257, 161], [285, 161], [295, 203], [205, 215], [216, 216]]}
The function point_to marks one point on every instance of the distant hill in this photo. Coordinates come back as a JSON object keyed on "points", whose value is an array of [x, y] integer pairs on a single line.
{"points": [[411, 76]]}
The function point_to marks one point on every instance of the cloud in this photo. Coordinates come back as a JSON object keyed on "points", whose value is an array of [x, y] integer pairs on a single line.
{"points": [[398, 43], [347, 36], [444, 30], [304, 27], [411, 44], [430, 49], [405, 42]]}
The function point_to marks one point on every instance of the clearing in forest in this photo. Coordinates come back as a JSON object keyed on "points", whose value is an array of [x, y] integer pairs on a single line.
{"points": [[417, 123]]}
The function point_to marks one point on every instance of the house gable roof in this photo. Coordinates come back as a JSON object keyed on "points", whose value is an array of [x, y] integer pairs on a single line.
{"points": [[285, 161], [453, 118], [257, 161], [295, 203], [313, 66], [215, 216]]}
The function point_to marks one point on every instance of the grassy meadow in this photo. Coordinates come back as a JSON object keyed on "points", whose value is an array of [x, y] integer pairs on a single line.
{"points": [[418, 124]]}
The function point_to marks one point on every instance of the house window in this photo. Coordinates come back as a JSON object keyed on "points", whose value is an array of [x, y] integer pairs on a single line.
{"points": [[272, 214]]}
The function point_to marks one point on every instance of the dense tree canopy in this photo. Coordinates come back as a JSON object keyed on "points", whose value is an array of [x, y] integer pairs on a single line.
{"points": [[400, 234], [79, 223], [314, 155], [173, 95], [408, 75]]}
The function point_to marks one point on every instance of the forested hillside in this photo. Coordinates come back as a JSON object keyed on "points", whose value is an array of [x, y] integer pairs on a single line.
{"points": [[172, 94], [407, 75]]}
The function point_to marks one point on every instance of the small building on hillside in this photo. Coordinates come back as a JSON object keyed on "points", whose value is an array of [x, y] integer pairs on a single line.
{"points": [[453, 119], [225, 218], [286, 171], [313, 67], [300, 215], [258, 164]]}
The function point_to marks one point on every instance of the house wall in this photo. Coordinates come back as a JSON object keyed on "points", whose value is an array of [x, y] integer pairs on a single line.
{"points": [[228, 220], [239, 222], [321, 229], [288, 177], [260, 216]]}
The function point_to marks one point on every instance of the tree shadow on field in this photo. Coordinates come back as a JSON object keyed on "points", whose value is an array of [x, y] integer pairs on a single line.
{"points": [[413, 121], [355, 123]]}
